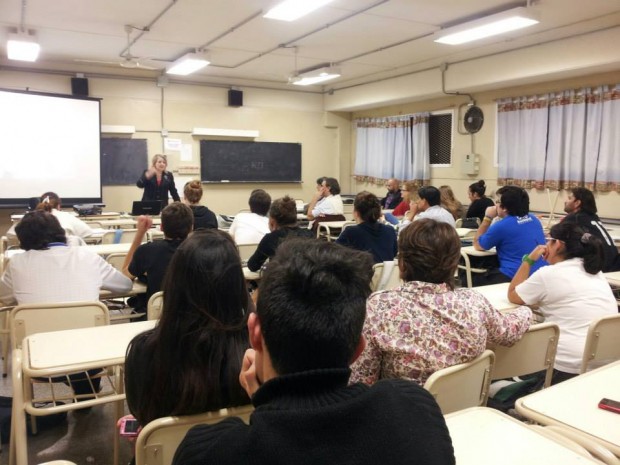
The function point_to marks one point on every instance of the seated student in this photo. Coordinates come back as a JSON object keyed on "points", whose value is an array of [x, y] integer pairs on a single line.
{"points": [[368, 234], [283, 224], [149, 261], [393, 196], [429, 206], [426, 324], [203, 217], [305, 334], [449, 202], [51, 272], [190, 362], [479, 203], [571, 293], [409, 191], [50, 202], [249, 228], [581, 209], [517, 233], [327, 200]]}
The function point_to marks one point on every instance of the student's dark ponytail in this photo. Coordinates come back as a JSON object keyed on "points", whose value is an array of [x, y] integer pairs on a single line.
{"points": [[580, 244]]}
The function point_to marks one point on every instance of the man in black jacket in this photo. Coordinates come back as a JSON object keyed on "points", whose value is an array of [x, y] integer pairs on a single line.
{"points": [[393, 196], [305, 334], [581, 209]]}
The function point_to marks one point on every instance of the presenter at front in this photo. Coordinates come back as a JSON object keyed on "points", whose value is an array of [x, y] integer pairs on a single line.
{"points": [[157, 182]]}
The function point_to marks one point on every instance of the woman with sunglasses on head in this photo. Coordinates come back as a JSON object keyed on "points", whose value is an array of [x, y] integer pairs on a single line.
{"points": [[571, 293]]}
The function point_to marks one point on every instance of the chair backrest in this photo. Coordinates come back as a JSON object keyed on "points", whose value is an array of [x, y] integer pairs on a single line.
{"points": [[25, 320], [534, 352], [159, 440], [464, 385], [386, 276], [118, 236], [116, 260], [246, 251], [155, 306], [377, 269], [601, 343], [325, 218]]}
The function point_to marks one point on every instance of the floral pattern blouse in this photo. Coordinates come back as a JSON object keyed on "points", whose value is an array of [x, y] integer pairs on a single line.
{"points": [[418, 328]]}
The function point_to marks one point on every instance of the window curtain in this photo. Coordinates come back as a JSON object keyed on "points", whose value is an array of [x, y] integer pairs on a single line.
{"points": [[561, 140], [522, 140], [392, 147]]}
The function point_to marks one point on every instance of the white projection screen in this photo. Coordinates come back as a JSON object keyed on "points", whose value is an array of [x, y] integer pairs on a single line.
{"points": [[49, 142]]}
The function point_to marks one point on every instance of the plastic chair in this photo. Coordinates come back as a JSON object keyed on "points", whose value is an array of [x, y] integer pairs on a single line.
{"points": [[155, 306], [464, 385], [534, 352], [246, 251], [602, 342], [119, 236], [159, 440], [386, 276]]}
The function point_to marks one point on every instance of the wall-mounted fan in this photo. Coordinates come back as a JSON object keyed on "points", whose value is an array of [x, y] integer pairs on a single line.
{"points": [[473, 119], [127, 59]]}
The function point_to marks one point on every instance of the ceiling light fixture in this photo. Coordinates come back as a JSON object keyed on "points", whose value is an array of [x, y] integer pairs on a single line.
{"points": [[290, 10], [188, 64], [315, 76], [499, 23], [22, 46]]}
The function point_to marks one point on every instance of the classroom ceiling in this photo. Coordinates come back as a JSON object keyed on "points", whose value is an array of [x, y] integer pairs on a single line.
{"points": [[369, 40]]}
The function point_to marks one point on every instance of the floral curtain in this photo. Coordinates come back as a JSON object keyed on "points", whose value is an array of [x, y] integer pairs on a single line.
{"points": [[562, 140], [392, 147]]}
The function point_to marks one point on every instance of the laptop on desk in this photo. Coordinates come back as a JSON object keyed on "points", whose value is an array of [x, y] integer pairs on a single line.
{"points": [[150, 207]]}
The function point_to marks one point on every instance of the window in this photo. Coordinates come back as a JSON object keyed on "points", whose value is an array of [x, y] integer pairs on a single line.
{"points": [[440, 138]]}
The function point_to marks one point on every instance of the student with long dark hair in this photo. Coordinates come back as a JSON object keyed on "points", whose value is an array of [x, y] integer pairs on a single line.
{"points": [[479, 202], [572, 292], [190, 362]]}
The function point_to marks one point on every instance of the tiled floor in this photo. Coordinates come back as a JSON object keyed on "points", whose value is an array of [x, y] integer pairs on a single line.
{"points": [[85, 438]]}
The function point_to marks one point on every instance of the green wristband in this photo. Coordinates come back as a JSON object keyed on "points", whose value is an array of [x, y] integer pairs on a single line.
{"points": [[526, 259]]}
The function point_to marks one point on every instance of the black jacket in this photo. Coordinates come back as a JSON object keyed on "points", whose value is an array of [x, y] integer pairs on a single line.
{"points": [[154, 192]]}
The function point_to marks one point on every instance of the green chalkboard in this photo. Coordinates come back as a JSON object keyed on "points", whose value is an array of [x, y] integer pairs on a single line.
{"points": [[122, 160], [238, 161]]}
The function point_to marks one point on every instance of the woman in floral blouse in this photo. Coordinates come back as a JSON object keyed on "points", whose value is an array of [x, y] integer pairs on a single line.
{"points": [[426, 324]]}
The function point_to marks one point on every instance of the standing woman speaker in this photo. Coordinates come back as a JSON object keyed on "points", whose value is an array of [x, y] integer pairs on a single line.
{"points": [[157, 182]]}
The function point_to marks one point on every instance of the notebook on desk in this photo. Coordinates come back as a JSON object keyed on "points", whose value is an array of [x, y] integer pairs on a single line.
{"points": [[149, 207]]}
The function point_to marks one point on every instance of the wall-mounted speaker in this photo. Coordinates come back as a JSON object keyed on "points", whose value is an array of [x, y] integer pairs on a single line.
{"points": [[235, 98], [79, 86]]}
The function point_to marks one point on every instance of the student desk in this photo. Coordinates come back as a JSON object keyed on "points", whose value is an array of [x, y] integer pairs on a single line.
{"points": [[497, 294], [484, 436], [470, 251], [613, 278], [54, 353], [574, 403]]}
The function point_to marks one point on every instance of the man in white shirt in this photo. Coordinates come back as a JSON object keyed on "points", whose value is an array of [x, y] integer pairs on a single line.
{"points": [[249, 228], [327, 200], [428, 206], [50, 271]]}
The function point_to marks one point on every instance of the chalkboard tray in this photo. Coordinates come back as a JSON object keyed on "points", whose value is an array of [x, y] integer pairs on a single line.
{"points": [[122, 160], [240, 161]]}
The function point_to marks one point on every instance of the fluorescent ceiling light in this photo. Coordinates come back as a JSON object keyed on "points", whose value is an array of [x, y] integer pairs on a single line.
{"points": [[23, 47], [506, 21], [187, 64], [315, 76], [290, 10]]}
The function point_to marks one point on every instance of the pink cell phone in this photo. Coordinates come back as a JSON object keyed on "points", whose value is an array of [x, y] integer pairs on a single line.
{"points": [[611, 405], [129, 427]]}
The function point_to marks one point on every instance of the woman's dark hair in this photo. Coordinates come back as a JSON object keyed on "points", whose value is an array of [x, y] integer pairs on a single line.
{"points": [[49, 201], [334, 187], [478, 188], [428, 251], [197, 347], [284, 211], [580, 244], [193, 191], [368, 207], [38, 229]]}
